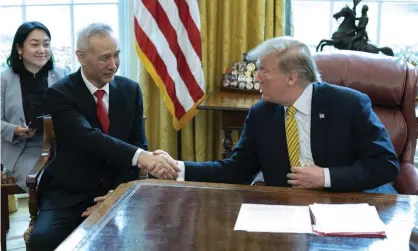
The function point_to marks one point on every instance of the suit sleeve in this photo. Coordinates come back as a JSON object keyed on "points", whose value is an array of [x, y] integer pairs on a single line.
{"points": [[71, 125], [240, 168], [7, 129], [137, 136], [377, 163]]}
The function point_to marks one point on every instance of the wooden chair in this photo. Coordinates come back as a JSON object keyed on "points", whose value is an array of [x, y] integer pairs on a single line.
{"points": [[48, 154], [8, 187]]}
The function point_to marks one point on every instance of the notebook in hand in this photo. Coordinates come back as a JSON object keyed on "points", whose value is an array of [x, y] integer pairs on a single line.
{"points": [[360, 220]]}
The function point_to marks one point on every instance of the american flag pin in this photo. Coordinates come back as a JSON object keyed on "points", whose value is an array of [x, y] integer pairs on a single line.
{"points": [[321, 116]]}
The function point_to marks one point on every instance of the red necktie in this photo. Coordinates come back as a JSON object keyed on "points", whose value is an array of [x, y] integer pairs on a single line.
{"points": [[101, 111]]}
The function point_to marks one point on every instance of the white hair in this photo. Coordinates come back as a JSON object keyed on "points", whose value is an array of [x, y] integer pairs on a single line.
{"points": [[85, 34], [292, 56]]}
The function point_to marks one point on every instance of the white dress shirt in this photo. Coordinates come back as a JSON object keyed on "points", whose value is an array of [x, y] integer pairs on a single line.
{"points": [[303, 121], [105, 100]]}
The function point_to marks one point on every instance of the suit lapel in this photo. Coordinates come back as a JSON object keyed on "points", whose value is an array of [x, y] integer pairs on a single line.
{"points": [[280, 160], [115, 108], [280, 130], [319, 126], [85, 98], [15, 84]]}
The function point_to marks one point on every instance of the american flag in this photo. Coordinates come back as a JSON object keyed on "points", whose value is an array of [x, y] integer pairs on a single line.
{"points": [[168, 43]]}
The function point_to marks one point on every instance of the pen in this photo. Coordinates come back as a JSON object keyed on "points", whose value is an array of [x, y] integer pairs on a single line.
{"points": [[22, 122], [23, 125]]}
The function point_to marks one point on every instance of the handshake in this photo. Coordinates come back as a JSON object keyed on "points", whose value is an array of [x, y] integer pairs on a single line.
{"points": [[159, 164]]}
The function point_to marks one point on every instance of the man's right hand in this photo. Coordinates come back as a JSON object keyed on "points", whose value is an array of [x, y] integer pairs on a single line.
{"points": [[159, 166], [24, 132]]}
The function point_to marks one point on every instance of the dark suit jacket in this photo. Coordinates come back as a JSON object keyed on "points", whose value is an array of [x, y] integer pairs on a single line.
{"points": [[350, 140], [88, 162]]}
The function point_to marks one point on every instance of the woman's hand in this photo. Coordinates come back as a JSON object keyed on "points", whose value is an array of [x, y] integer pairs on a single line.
{"points": [[24, 132]]}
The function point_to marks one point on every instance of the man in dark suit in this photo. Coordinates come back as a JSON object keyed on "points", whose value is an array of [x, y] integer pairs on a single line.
{"points": [[304, 133], [99, 127]]}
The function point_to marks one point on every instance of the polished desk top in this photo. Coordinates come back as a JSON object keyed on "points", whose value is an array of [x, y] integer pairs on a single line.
{"points": [[229, 101], [167, 215]]}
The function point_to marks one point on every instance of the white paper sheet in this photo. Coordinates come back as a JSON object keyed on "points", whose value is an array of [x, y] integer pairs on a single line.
{"points": [[347, 218], [274, 219]]}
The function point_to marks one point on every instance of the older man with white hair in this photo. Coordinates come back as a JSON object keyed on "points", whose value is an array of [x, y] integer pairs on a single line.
{"points": [[101, 142]]}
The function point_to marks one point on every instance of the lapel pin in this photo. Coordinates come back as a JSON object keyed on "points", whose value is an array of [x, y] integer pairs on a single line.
{"points": [[321, 116]]}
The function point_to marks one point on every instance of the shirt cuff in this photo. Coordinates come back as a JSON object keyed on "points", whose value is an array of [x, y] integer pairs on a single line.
{"points": [[182, 173], [327, 176], [258, 179], [136, 156]]}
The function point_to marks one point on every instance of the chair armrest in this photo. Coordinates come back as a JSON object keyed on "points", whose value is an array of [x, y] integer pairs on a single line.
{"points": [[32, 178], [48, 153], [407, 181]]}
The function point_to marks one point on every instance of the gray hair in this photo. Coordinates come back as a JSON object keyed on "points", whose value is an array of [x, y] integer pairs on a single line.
{"points": [[85, 34], [292, 56]]}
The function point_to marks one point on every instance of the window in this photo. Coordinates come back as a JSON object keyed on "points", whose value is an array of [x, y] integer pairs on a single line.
{"points": [[390, 24], [64, 18]]}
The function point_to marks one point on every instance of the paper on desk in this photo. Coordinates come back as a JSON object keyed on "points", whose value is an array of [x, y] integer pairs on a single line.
{"points": [[347, 219], [274, 218]]}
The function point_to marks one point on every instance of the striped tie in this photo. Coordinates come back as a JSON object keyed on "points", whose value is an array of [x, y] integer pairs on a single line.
{"points": [[292, 137]]}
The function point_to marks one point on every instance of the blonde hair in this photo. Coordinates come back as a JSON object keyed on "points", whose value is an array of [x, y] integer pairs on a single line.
{"points": [[292, 56]]}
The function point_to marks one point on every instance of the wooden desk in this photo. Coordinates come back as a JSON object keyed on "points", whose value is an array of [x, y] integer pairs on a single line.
{"points": [[234, 108], [167, 215]]}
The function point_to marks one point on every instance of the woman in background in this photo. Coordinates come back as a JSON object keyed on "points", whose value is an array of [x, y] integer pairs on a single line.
{"points": [[31, 70]]}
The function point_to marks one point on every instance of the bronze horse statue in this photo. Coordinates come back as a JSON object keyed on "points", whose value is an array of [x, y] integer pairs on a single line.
{"points": [[340, 39]]}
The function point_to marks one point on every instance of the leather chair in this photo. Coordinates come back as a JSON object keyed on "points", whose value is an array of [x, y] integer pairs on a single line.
{"points": [[391, 86]]}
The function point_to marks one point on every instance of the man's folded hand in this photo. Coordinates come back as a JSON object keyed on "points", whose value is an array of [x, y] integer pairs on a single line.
{"points": [[311, 177]]}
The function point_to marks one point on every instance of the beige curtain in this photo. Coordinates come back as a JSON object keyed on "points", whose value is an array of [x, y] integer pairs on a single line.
{"points": [[228, 29]]}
